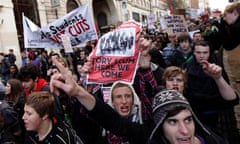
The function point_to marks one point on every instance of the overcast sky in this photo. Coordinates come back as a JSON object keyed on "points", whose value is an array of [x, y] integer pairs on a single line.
{"points": [[220, 4]]}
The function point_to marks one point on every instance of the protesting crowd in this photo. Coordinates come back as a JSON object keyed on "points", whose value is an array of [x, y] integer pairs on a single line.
{"points": [[174, 88]]}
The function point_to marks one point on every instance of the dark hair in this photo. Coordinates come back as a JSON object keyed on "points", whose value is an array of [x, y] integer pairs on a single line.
{"points": [[54, 54], [29, 71], [16, 72], [184, 37], [174, 111], [16, 90], [204, 43], [81, 62], [198, 32]]}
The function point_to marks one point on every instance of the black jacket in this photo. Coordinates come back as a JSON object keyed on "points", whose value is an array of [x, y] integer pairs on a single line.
{"points": [[202, 91], [226, 35], [107, 117], [137, 133]]}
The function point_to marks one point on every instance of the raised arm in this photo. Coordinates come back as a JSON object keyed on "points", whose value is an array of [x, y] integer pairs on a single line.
{"points": [[215, 72], [98, 110], [65, 81]]}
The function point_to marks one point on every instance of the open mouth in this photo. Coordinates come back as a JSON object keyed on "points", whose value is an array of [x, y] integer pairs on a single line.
{"points": [[184, 141], [175, 88], [124, 109]]}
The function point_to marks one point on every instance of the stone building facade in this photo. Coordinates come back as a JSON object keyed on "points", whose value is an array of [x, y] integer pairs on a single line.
{"points": [[42, 12]]}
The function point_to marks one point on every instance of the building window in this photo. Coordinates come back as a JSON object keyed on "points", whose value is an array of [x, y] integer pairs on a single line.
{"points": [[136, 16], [71, 5]]}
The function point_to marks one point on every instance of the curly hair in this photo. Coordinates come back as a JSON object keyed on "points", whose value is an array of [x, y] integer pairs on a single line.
{"points": [[30, 71]]}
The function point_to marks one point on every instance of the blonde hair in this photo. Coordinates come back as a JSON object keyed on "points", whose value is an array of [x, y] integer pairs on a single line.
{"points": [[234, 6], [173, 71]]}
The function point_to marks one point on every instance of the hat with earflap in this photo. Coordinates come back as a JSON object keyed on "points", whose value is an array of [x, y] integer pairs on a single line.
{"points": [[164, 102]]}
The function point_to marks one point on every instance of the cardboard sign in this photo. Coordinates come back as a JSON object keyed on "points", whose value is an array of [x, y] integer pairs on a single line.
{"points": [[174, 24]]}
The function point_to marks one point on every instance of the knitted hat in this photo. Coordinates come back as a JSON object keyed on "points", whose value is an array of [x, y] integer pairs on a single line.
{"points": [[165, 101]]}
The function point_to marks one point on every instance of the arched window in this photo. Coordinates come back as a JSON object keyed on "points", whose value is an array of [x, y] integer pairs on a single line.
{"points": [[102, 19], [71, 5]]}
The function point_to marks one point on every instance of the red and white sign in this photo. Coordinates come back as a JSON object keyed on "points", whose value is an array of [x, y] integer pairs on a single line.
{"points": [[116, 55]]}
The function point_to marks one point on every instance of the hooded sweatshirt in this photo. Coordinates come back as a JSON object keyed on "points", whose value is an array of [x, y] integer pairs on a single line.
{"points": [[135, 115]]}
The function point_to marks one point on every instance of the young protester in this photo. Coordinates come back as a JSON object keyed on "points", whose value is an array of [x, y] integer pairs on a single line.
{"points": [[133, 132], [184, 52], [228, 29], [11, 56], [10, 127], [11, 72], [209, 93], [174, 78], [29, 76], [197, 36], [13, 91], [15, 98], [147, 78], [40, 123], [177, 123], [125, 101], [170, 48]]}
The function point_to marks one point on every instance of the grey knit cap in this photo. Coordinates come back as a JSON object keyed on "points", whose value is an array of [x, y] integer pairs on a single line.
{"points": [[165, 101]]}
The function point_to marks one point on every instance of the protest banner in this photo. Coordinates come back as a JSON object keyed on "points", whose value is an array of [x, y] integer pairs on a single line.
{"points": [[78, 25], [174, 24], [151, 21], [116, 55]]}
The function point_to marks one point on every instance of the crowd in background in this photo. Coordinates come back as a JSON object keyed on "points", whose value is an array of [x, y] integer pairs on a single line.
{"points": [[190, 64]]}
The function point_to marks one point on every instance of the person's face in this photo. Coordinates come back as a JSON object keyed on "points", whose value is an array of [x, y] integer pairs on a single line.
{"points": [[12, 69], [7, 89], [180, 129], [172, 39], [230, 18], [201, 53], [28, 84], [122, 100], [185, 45], [82, 55], [197, 37], [54, 57], [31, 119], [176, 83]]}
